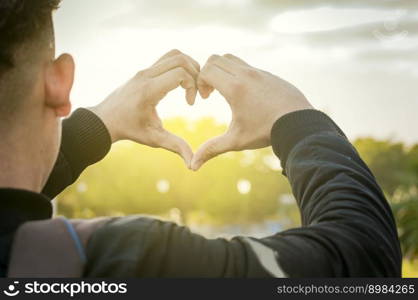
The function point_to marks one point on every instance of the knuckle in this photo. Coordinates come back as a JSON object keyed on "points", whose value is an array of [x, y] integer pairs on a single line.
{"points": [[141, 73], [174, 52], [229, 55], [213, 58], [181, 59]]}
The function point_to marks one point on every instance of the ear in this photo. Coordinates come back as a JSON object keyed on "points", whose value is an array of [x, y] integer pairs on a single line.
{"points": [[58, 83]]}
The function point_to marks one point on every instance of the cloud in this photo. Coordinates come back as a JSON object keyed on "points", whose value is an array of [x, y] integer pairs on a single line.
{"points": [[408, 56], [250, 14], [370, 32], [379, 23], [186, 13], [308, 4]]}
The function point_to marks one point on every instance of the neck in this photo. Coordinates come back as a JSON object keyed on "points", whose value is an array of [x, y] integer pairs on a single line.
{"points": [[20, 167]]}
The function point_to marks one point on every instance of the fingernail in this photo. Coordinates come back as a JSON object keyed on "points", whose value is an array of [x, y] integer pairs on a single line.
{"points": [[203, 93]]}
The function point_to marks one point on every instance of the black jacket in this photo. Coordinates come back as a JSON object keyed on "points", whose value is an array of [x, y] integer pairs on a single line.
{"points": [[347, 226]]}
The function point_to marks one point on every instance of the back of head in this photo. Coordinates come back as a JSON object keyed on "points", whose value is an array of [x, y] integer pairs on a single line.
{"points": [[34, 92], [26, 38]]}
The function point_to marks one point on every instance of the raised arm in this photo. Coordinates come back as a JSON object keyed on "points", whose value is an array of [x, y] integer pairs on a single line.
{"points": [[127, 114], [85, 141], [347, 226]]}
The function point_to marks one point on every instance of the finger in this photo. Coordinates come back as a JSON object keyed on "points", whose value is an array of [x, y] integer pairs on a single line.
{"points": [[212, 77], [168, 54], [212, 148], [194, 62], [177, 145], [172, 63], [191, 94], [225, 64], [236, 59], [176, 52], [205, 90], [170, 80]]}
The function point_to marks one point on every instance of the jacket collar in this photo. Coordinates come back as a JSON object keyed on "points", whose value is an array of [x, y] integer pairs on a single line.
{"points": [[19, 206]]}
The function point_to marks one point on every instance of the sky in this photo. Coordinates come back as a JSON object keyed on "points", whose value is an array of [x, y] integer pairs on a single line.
{"points": [[356, 60]]}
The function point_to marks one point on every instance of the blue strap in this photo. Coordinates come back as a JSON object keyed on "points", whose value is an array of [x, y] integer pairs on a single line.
{"points": [[76, 239]]}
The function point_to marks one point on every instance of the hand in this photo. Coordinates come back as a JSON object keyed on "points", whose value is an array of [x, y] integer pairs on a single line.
{"points": [[130, 111], [257, 100]]}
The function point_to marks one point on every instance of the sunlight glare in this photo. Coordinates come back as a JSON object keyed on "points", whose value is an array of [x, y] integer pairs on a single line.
{"points": [[163, 186], [244, 186]]}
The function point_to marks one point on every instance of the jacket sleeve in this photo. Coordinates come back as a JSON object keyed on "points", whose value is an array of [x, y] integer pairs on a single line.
{"points": [[348, 229], [347, 226], [85, 141]]}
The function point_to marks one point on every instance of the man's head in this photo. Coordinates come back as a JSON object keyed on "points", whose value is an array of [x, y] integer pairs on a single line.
{"points": [[34, 91]]}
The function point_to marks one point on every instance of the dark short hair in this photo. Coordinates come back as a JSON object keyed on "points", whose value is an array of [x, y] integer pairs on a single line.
{"points": [[22, 21]]}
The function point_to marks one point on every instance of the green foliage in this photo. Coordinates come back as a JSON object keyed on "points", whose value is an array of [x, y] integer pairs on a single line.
{"points": [[388, 161], [405, 207], [396, 169]]}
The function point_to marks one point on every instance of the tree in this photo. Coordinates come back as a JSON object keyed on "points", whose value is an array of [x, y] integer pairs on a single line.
{"points": [[405, 207], [387, 160]]}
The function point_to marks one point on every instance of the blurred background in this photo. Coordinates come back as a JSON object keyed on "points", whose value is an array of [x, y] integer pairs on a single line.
{"points": [[354, 59]]}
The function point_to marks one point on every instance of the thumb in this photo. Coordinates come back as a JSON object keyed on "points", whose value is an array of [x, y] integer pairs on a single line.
{"points": [[177, 145], [212, 148]]}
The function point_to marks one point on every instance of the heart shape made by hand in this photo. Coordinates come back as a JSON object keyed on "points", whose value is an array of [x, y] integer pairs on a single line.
{"points": [[257, 99]]}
